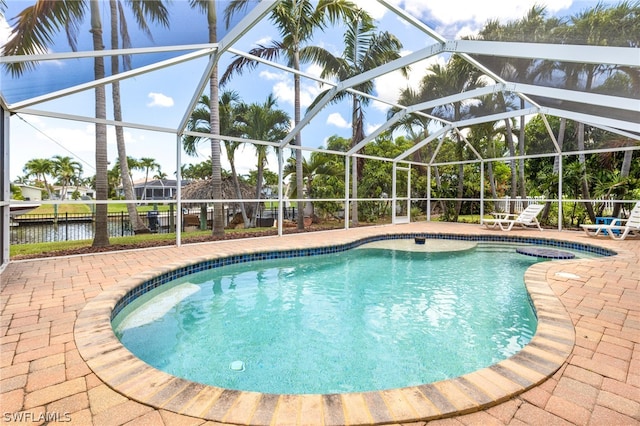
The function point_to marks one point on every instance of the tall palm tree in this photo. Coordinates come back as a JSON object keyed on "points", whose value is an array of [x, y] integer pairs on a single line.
{"points": [[535, 26], [296, 20], [589, 27], [208, 8], [230, 104], [40, 168], [417, 128], [156, 12], [365, 49], [33, 33], [495, 104], [199, 121], [262, 122], [456, 77]]}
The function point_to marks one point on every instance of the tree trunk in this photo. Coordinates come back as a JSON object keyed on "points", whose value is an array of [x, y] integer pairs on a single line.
{"points": [[101, 234], [216, 165], [625, 169], [296, 119], [556, 165], [512, 162], [236, 184], [492, 180], [584, 182], [356, 168], [135, 220], [259, 177], [521, 185]]}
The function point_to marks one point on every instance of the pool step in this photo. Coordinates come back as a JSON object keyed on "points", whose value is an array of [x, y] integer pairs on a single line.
{"points": [[502, 248]]}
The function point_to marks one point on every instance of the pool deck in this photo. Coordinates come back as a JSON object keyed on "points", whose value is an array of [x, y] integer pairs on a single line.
{"points": [[53, 342]]}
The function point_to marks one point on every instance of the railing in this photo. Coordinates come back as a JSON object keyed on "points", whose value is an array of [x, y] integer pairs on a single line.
{"points": [[40, 228], [503, 204]]}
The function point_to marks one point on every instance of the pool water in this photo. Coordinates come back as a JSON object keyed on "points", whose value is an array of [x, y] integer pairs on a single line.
{"points": [[360, 320]]}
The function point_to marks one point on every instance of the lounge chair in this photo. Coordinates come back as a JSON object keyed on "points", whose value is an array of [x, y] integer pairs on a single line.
{"points": [[618, 229], [528, 217]]}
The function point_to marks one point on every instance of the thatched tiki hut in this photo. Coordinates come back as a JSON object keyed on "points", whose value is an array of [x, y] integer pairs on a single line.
{"points": [[203, 190]]}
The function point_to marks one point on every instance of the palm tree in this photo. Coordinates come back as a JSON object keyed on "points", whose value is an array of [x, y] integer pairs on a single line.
{"points": [[160, 174], [319, 165], [200, 122], [486, 138], [534, 27], [157, 12], [208, 8], [66, 170], [416, 127], [114, 179], [33, 33], [494, 104], [229, 109], [586, 27], [364, 50], [40, 168], [147, 164], [266, 123], [457, 76], [296, 20]]}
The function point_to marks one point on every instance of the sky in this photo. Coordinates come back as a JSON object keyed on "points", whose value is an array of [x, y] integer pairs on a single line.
{"points": [[160, 98]]}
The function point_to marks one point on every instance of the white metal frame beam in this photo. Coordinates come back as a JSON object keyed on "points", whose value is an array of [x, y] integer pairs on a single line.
{"points": [[365, 76], [607, 101], [594, 120], [121, 76], [586, 54], [240, 29]]}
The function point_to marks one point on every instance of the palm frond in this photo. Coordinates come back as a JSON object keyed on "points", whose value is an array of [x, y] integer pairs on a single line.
{"points": [[241, 63], [35, 27], [331, 65], [156, 11], [232, 8]]}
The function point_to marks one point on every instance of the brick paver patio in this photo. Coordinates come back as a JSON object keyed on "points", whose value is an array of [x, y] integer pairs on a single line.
{"points": [[44, 378]]}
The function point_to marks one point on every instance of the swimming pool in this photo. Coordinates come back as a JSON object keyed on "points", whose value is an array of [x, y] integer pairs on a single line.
{"points": [[380, 317], [123, 372]]}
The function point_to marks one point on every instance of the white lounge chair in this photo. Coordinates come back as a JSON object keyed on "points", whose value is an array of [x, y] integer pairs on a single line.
{"points": [[618, 229], [528, 217]]}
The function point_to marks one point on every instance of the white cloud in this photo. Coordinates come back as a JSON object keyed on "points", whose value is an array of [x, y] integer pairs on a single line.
{"points": [[263, 41], [284, 92], [5, 30], [451, 11], [373, 8], [371, 127], [75, 140], [336, 119], [314, 70], [466, 31], [389, 86], [158, 99], [273, 76]]}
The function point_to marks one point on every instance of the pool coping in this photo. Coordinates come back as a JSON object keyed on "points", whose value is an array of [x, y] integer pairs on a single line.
{"points": [[122, 371]]}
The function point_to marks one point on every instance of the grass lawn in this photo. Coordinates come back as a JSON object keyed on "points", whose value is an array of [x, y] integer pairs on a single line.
{"points": [[133, 241], [62, 209], [86, 208]]}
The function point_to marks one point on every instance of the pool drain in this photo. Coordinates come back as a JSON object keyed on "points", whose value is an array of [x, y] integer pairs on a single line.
{"points": [[237, 366]]}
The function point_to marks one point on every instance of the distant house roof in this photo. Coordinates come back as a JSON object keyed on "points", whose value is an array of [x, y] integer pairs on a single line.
{"points": [[24, 185], [157, 183]]}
